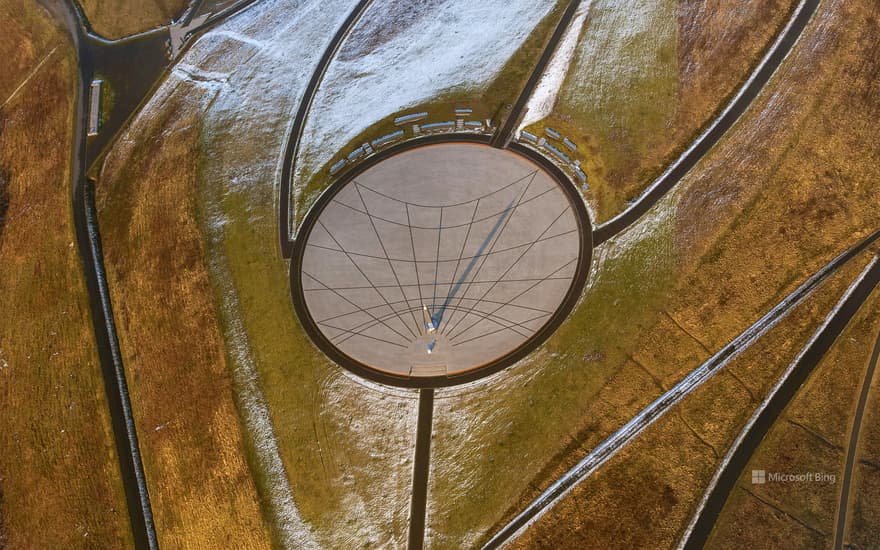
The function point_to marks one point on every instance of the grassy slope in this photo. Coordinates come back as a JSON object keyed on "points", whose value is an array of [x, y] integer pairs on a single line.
{"points": [[333, 464], [718, 286], [308, 398], [797, 175], [493, 103], [246, 258], [644, 80], [118, 18], [492, 441], [645, 495], [810, 436], [27, 38], [59, 479], [202, 491]]}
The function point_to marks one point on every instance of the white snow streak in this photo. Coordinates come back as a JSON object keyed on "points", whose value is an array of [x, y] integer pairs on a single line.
{"points": [[29, 77], [451, 45], [256, 64], [243, 38], [544, 97]]}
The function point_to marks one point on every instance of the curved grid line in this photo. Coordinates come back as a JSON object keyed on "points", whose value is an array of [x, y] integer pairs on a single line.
{"points": [[483, 315], [484, 218], [520, 257], [474, 310], [515, 297], [507, 219], [448, 260], [364, 275], [361, 333], [354, 304], [381, 244], [457, 307], [511, 184], [526, 280], [418, 307], [395, 312]]}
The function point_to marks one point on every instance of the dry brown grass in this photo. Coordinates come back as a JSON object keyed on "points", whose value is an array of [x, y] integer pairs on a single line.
{"points": [[762, 526], [584, 404], [631, 125], [60, 484], [28, 36], [118, 18], [790, 189], [864, 512], [719, 44], [810, 436], [202, 491], [644, 496], [796, 176]]}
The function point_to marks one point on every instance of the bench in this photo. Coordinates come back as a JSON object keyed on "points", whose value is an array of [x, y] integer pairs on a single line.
{"points": [[557, 153], [338, 166], [386, 139], [413, 117], [439, 125]]}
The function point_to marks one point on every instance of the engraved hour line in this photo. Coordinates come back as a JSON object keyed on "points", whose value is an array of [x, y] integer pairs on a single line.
{"points": [[492, 247], [520, 257]]}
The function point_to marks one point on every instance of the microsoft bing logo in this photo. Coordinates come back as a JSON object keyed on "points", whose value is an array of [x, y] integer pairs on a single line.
{"points": [[759, 477]]}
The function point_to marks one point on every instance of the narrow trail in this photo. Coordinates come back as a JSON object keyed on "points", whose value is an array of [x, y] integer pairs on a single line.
{"points": [[288, 168], [626, 434], [89, 244], [718, 127], [840, 525], [88, 46], [28, 78], [506, 129], [742, 450], [421, 468]]}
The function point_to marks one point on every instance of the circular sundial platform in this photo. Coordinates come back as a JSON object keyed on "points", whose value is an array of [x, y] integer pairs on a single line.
{"points": [[433, 264]]}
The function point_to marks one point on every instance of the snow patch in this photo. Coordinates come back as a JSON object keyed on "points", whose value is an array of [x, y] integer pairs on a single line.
{"points": [[451, 46], [376, 464], [243, 38], [544, 97], [294, 531]]}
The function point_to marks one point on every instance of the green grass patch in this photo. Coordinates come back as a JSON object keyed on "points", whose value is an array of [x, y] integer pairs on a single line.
{"points": [[618, 97], [533, 422], [108, 98]]}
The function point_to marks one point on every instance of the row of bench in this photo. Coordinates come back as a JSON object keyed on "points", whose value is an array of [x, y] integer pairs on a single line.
{"points": [[542, 142], [413, 120]]}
